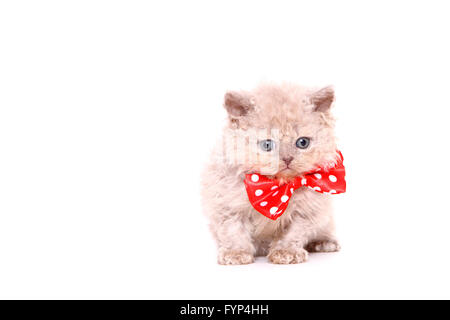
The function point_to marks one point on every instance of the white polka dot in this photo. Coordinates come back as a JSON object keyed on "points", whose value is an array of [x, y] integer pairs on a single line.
{"points": [[263, 204], [284, 198], [303, 181], [275, 193], [317, 188], [255, 177], [273, 210], [318, 175], [332, 191], [332, 178], [292, 190], [274, 187], [258, 192]]}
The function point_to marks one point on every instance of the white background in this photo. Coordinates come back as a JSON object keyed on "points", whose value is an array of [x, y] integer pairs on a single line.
{"points": [[108, 110]]}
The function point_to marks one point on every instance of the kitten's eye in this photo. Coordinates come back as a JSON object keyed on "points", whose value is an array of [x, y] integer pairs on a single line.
{"points": [[302, 142], [267, 145]]}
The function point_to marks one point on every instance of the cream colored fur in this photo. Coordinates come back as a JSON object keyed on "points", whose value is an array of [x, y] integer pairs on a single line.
{"points": [[243, 233]]}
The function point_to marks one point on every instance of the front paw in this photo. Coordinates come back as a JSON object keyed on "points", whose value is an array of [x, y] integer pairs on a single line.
{"points": [[323, 246], [288, 256], [234, 257]]}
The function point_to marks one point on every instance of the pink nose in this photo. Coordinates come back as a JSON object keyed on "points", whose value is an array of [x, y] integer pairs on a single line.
{"points": [[288, 160]]}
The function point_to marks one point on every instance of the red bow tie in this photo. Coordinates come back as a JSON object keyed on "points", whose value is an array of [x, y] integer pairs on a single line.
{"points": [[271, 199]]}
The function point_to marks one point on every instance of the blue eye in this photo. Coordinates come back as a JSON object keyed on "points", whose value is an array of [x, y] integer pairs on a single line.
{"points": [[302, 142], [267, 145]]}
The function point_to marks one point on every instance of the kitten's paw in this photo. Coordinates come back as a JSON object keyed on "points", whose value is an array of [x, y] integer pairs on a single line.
{"points": [[288, 256], [323, 246], [233, 257]]}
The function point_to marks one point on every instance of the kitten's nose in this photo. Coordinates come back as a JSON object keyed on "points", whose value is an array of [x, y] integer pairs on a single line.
{"points": [[288, 160]]}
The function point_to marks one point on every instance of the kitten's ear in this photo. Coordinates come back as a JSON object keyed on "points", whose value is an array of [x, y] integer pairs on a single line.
{"points": [[238, 104], [323, 99]]}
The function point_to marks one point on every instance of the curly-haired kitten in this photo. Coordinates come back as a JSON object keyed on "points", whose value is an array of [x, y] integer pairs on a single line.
{"points": [[281, 132]]}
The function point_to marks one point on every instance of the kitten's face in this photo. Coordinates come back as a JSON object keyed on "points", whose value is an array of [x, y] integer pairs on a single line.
{"points": [[283, 131]]}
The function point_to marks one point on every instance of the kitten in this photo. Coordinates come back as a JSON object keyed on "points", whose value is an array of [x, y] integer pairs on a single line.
{"points": [[282, 132]]}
